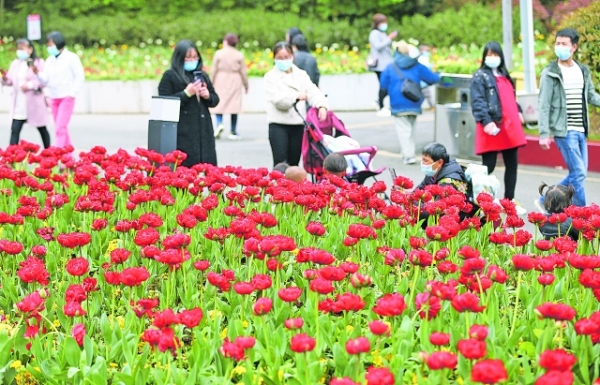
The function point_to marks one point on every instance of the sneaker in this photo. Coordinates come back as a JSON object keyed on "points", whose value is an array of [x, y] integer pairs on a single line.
{"points": [[520, 209], [538, 205], [410, 161], [384, 113], [220, 129], [234, 137], [375, 104]]}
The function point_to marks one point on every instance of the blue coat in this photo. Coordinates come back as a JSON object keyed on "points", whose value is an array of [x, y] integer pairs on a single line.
{"points": [[411, 69]]}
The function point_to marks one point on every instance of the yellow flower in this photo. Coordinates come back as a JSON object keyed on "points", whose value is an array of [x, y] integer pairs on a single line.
{"points": [[224, 333], [238, 371], [56, 323], [16, 364], [113, 365], [214, 314], [349, 328], [245, 323]]}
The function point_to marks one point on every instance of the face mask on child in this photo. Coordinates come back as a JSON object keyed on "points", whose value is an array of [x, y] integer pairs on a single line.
{"points": [[383, 27]]}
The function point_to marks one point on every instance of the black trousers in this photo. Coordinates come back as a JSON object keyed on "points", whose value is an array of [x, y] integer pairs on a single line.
{"points": [[382, 93], [286, 142], [511, 161], [15, 133]]}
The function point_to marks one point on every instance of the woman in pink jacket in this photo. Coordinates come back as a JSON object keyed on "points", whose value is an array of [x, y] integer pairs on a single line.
{"points": [[28, 100]]}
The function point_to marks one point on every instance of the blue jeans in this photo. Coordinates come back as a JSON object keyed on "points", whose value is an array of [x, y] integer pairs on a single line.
{"points": [[573, 148]]}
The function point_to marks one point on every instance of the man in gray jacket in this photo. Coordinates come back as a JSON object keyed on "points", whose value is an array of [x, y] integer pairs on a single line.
{"points": [[304, 60], [566, 89]]}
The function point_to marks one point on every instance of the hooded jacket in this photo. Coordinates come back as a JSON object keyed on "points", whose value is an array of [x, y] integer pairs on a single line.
{"points": [[391, 81], [451, 174]]}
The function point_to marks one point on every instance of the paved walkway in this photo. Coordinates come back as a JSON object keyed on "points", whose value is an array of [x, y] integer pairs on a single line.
{"points": [[130, 131]]}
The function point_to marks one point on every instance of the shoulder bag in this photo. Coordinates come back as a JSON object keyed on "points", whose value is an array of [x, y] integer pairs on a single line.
{"points": [[410, 90]]}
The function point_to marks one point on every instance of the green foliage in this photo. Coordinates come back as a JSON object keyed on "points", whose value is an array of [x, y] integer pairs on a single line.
{"points": [[585, 21]]}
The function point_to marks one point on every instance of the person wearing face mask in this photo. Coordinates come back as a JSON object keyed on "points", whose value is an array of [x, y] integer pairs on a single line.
{"points": [[425, 59], [28, 101], [566, 89], [440, 169], [285, 85], [380, 55], [304, 60], [63, 75], [499, 122], [195, 134]]}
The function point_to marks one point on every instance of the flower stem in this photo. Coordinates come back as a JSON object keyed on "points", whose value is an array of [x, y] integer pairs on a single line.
{"points": [[515, 311]]}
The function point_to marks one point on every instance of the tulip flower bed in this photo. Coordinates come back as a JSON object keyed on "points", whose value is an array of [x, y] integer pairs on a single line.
{"points": [[124, 268]]}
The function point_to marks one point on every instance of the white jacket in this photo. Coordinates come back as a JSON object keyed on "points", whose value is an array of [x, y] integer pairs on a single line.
{"points": [[282, 90], [63, 75]]}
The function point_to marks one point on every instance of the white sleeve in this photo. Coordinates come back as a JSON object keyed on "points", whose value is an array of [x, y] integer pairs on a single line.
{"points": [[78, 75]]}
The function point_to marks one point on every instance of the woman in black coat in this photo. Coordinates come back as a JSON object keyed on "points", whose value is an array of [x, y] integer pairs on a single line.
{"points": [[195, 135]]}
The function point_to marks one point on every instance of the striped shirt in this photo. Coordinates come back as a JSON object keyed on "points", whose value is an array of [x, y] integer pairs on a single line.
{"points": [[573, 83]]}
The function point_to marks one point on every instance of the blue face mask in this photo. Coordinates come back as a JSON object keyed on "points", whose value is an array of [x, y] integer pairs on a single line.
{"points": [[383, 27], [283, 65], [190, 65], [563, 53], [52, 50], [22, 54], [426, 54], [427, 169]]}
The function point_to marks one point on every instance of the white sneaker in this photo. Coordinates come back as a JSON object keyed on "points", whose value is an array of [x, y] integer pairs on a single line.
{"points": [[384, 113], [219, 130], [375, 104], [538, 205], [234, 137], [410, 161], [520, 209]]}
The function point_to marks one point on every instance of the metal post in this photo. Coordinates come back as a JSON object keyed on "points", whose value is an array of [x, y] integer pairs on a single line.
{"points": [[507, 33], [527, 43]]}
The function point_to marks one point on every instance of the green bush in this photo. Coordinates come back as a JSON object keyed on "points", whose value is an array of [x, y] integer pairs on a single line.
{"points": [[585, 21]]}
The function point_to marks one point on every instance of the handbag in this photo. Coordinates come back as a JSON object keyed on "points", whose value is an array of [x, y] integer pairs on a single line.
{"points": [[372, 61], [411, 90]]}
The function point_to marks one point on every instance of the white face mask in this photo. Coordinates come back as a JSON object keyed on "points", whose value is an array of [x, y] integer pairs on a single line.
{"points": [[493, 61]]}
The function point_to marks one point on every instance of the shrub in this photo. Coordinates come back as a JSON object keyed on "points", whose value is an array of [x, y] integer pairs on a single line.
{"points": [[585, 21]]}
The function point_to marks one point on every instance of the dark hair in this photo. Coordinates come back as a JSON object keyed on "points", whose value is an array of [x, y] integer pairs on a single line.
{"points": [[57, 38], [231, 39], [178, 59], [335, 163], [282, 45], [281, 167], [300, 42], [378, 18], [556, 197], [436, 151], [30, 44], [293, 32], [570, 33], [495, 47]]}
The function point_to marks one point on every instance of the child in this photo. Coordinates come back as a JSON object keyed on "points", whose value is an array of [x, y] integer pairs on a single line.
{"points": [[556, 199], [295, 173], [335, 164]]}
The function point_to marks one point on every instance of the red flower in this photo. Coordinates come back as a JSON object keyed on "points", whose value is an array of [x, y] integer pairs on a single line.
{"points": [[134, 276], [379, 376], [557, 360], [290, 294], [118, 256], [146, 237], [144, 307], [467, 252], [545, 279], [442, 360], [245, 342], [73, 309], [472, 349], [496, 274], [321, 257], [11, 247], [78, 333], [343, 381], [467, 302], [586, 326], [112, 277], [590, 279], [427, 305], [243, 288], [394, 256], [439, 339], [321, 286], [523, 262], [231, 350], [90, 284], [479, 332], [77, 266], [75, 293], [379, 328], [73, 240], [33, 303], [556, 311], [554, 377], [358, 345], [99, 224], [301, 343], [33, 270], [417, 243], [262, 306], [544, 245], [360, 231], [293, 323], [261, 281], [489, 372], [420, 258], [202, 265], [316, 228], [190, 318], [358, 280], [390, 305], [348, 302]]}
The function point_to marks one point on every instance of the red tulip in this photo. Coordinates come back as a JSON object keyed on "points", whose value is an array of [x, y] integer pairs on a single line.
{"points": [[245, 342], [201, 265], [78, 333], [390, 305], [467, 302], [545, 279], [557, 360], [472, 349], [479, 332], [523, 262], [316, 228], [342, 381], [556, 311], [321, 286], [428, 306], [293, 323], [358, 345], [379, 328], [555, 377], [379, 376], [442, 360], [489, 372], [243, 288], [439, 339], [262, 306], [290, 294], [134, 276], [33, 269], [190, 318], [119, 255], [73, 309], [77, 266], [261, 281], [301, 343], [231, 350]]}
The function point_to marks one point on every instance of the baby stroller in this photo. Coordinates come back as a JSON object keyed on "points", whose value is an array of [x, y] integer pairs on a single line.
{"points": [[314, 149]]}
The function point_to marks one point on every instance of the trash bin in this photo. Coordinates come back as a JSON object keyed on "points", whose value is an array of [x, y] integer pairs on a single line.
{"points": [[162, 127], [454, 121]]}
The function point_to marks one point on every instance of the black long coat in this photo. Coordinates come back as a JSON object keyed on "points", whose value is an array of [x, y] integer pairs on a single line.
{"points": [[195, 134]]}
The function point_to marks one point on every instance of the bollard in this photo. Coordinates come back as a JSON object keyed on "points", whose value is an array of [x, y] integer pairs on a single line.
{"points": [[162, 126]]}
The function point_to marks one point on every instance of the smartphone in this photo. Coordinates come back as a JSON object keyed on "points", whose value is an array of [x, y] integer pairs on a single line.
{"points": [[393, 173], [29, 62], [198, 76]]}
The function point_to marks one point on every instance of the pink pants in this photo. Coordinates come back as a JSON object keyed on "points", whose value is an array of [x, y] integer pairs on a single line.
{"points": [[62, 109]]}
